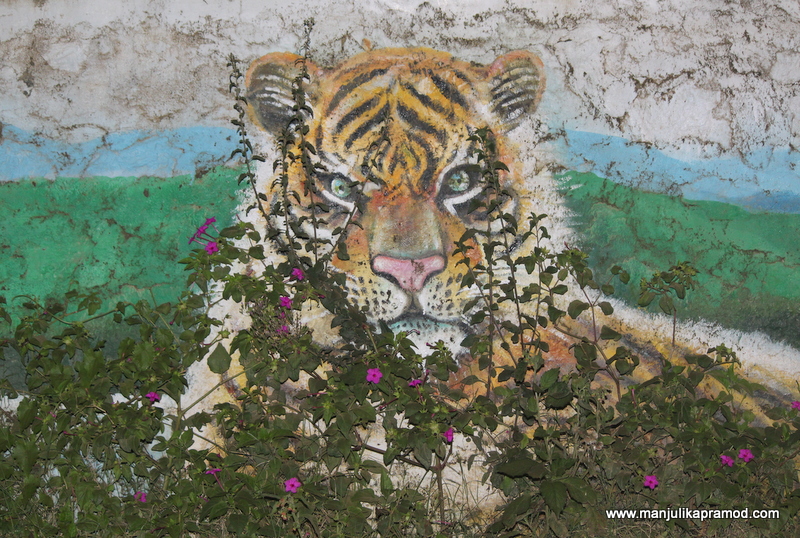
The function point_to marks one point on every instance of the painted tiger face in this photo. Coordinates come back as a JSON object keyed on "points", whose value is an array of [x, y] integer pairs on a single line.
{"points": [[409, 114]]}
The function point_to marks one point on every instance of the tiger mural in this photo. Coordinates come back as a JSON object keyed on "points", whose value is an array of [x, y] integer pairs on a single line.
{"points": [[425, 105], [413, 202]]}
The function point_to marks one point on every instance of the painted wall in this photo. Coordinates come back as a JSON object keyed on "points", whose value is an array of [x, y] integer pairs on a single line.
{"points": [[672, 129]]}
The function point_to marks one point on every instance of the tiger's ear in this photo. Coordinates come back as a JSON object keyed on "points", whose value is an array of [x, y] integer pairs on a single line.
{"points": [[516, 82], [268, 86]]}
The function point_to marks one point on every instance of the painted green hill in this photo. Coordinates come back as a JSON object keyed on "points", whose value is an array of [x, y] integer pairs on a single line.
{"points": [[748, 262], [122, 238], [118, 237]]}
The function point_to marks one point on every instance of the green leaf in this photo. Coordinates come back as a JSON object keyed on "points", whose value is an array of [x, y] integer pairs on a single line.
{"points": [[365, 412], [26, 412], [522, 467], [561, 289], [214, 508], [576, 307], [606, 307], [558, 527], [554, 494], [237, 523], [665, 303], [516, 508], [554, 314], [143, 355], [386, 483], [607, 333], [29, 486], [391, 453], [220, 360], [579, 490], [548, 378], [341, 252], [623, 366], [470, 304], [500, 165], [26, 453], [680, 290], [646, 298], [422, 452], [559, 396], [366, 495], [256, 252], [316, 384]]}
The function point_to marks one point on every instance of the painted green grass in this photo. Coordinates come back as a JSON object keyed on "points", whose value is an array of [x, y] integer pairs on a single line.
{"points": [[122, 238], [748, 262], [119, 237]]}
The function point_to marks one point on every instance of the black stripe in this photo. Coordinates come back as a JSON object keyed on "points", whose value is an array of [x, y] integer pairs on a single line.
{"points": [[346, 89], [427, 175], [516, 75], [506, 98], [367, 126], [354, 114], [411, 117], [461, 76], [449, 91], [425, 100], [429, 157]]}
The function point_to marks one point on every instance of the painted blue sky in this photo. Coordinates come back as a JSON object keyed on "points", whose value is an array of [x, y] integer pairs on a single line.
{"points": [[767, 179], [133, 153]]}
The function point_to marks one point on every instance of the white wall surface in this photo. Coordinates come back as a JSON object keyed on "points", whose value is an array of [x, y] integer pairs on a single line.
{"points": [[696, 78]]}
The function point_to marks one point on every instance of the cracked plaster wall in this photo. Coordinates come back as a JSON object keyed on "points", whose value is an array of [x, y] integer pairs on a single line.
{"points": [[696, 79]]}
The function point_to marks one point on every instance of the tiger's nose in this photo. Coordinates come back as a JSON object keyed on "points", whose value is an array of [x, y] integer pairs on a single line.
{"points": [[411, 275]]}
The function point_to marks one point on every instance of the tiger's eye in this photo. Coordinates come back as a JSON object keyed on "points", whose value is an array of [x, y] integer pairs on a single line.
{"points": [[340, 187], [459, 181]]}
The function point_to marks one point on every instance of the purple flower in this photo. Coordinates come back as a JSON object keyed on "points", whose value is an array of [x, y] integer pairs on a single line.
{"points": [[153, 397], [415, 383], [200, 231], [285, 302], [140, 496], [448, 435], [213, 471], [726, 460], [292, 485], [746, 455], [650, 481], [298, 273], [283, 329], [212, 247], [796, 406], [374, 375]]}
